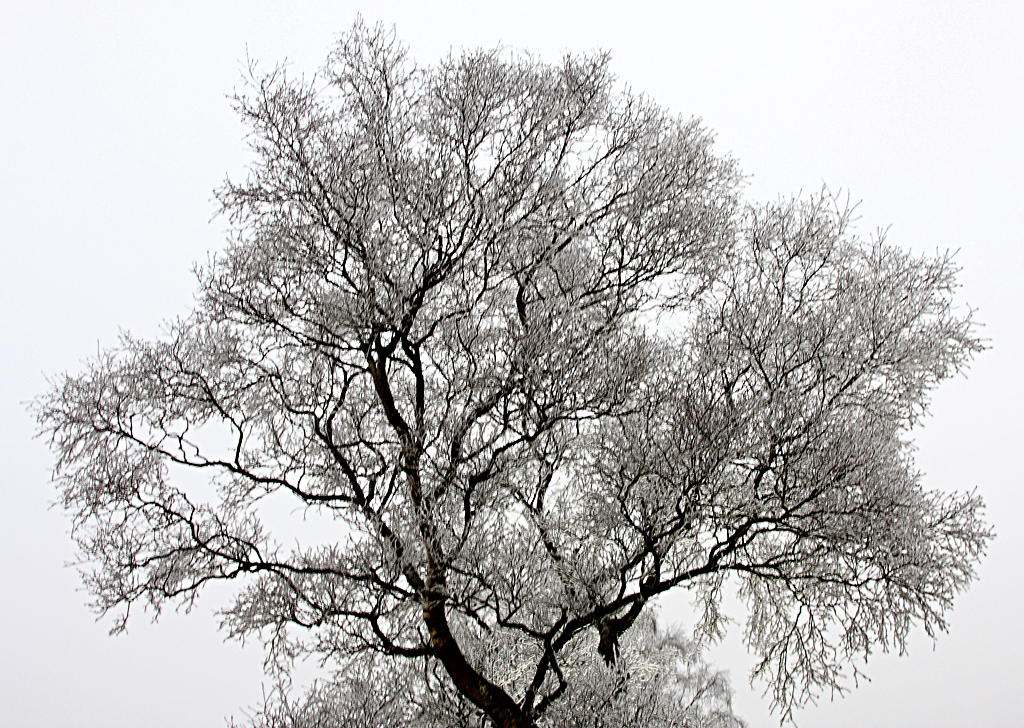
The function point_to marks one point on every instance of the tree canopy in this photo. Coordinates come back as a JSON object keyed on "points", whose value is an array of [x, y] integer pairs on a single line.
{"points": [[513, 332]]}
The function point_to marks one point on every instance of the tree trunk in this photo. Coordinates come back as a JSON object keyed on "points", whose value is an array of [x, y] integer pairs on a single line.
{"points": [[490, 698]]}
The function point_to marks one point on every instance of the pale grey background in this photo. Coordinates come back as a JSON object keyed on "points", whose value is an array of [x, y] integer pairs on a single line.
{"points": [[114, 129]]}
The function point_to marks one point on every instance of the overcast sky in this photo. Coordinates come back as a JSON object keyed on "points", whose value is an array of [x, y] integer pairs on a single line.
{"points": [[114, 130]]}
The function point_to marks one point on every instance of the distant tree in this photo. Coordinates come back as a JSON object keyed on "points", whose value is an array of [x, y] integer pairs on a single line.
{"points": [[659, 681], [513, 333]]}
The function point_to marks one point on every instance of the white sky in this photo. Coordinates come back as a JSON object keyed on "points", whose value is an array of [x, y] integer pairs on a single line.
{"points": [[114, 129]]}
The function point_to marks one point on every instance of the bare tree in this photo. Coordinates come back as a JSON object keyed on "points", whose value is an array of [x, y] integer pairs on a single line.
{"points": [[513, 333]]}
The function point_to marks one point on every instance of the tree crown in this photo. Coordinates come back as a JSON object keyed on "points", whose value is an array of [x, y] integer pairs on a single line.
{"points": [[514, 333]]}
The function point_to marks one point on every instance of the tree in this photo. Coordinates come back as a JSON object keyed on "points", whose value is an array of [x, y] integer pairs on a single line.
{"points": [[659, 681], [514, 334]]}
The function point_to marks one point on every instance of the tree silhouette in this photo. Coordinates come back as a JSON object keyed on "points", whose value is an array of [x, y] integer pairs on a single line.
{"points": [[512, 332]]}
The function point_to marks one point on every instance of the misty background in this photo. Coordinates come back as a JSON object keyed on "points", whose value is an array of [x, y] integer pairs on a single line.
{"points": [[115, 129]]}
